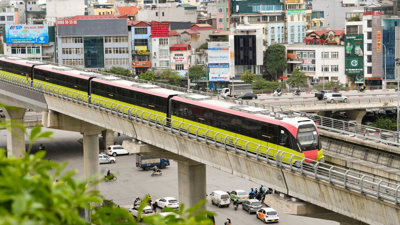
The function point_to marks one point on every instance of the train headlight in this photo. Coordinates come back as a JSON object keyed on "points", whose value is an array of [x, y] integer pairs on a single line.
{"points": [[322, 160]]}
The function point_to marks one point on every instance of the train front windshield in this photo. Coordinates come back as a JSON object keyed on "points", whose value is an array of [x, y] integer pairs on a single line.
{"points": [[308, 138]]}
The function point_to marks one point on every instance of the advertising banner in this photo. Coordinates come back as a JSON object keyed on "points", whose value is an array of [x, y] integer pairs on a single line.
{"points": [[218, 45], [219, 74], [27, 34], [140, 48], [178, 59], [378, 41], [141, 64], [296, 12], [218, 65], [354, 51], [218, 56]]}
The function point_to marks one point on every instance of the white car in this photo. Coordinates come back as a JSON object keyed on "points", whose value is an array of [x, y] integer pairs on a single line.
{"points": [[335, 97], [241, 195], [147, 211], [220, 198], [268, 215], [103, 158], [115, 150], [169, 202]]}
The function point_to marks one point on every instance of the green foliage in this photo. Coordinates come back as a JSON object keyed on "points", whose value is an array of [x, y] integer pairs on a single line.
{"points": [[204, 46], [148, 75], [248, 77], [120, 71], [171, 76], [385, 123], [196, 72], [323, 37], [297, 79], [328, 86], [275, 61], [261, 84], [354, 18]]}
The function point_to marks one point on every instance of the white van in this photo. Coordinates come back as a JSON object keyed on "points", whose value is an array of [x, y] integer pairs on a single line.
{"points": [[220, 198]]}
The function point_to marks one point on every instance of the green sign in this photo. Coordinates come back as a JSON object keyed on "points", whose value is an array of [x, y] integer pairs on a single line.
{"points": [[354, 51], [296, 12]]}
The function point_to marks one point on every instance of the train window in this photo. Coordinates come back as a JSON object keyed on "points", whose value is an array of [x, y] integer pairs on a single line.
{"points": [[285, 138], [268, 133]]}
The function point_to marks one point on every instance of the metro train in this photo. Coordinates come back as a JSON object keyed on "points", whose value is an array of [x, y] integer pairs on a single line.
{"points": [[230, 124]]}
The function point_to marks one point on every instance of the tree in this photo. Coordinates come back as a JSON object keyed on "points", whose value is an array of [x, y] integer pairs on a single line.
{"points": [[196, 72], [275, 61], [248, 77], [261, 84], [38, 191], [385, 123], [297, 78], [148, 75], [120, 71], [171, 76]]}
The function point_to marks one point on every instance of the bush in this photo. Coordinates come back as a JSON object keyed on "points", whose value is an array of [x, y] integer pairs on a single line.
{"points": [[120, 71]]}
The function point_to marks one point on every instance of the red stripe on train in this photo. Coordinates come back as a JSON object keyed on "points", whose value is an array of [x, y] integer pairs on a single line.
{"points": [[311, 154]]}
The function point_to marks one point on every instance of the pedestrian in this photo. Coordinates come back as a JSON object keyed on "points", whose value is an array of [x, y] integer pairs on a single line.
{"points": [[251, 193], [228, 222], [255, 192], [154, 206], [263, 197], [259, 196], [262, 189]]}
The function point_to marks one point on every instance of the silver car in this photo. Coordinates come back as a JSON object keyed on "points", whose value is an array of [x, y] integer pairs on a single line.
{"points": [[103, 158], [251, 205]]}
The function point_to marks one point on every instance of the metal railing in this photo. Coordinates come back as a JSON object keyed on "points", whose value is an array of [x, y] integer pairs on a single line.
{"points": [[349, 128], [352, 180]]}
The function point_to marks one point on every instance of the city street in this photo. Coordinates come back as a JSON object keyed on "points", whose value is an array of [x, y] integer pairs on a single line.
{"points": [[133, 182]]}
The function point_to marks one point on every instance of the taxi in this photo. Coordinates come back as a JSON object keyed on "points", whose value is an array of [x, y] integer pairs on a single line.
{"points": [[268, 215]]}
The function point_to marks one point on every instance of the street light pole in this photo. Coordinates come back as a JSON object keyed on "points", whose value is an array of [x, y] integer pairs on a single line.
{"points": [[385, 82]]}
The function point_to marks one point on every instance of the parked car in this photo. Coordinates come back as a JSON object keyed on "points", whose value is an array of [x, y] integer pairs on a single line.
{"points": [[241, 195], [115, 150], [320, 95], [268, 215], [251, 205], [169, 202], [103, 158], [247, 96], [220, 198], [147, 211], [335, 97]]}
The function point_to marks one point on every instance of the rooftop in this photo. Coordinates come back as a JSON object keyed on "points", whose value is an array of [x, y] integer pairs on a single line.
{"points": [[173, 33], [127, 10], [191, 32]]}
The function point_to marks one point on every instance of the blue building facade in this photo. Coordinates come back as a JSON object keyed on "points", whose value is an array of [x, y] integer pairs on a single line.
{"points": [[141, 47], [389, 40]]}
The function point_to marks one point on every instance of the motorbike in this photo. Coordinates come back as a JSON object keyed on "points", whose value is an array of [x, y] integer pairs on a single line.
{"points": [[156, 173], [297, 93], [277, 94], [109, 178]]}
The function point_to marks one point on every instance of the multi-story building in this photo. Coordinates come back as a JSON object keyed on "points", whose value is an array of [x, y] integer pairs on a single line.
{"points": [[266, 14], [35, 42], [141, 32], [8, 15], [295, 21], [321, 63], [223, 15], [315, 20], [390, 39], [180, 58], [60, 9], [160, 54], [101, 9], [93, 42], [167, 12], [247, 51]]}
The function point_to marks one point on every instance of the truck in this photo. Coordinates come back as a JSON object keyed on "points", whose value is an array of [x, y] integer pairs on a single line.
{"points": [[147, 162], [236, 90]]}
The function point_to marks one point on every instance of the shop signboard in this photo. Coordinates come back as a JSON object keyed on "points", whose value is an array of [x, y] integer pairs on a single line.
{"points": [[27, 34], [219, 74], [141, 64], [218, 56], [354, 51]]}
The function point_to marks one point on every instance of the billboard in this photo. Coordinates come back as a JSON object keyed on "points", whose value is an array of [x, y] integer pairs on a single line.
{"points": [[219, 74], [354, 51], [219, 56], [27, 34]]}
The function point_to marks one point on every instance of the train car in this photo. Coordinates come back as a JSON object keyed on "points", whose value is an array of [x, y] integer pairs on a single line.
{"points": [[12, 66], [147, 102], [296, 135]]}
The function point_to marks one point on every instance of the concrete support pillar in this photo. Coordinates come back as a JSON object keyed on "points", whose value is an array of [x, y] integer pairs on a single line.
{"points": [[356, 115], [15, 137], [91, 153], [108, 138], [192, 182]]}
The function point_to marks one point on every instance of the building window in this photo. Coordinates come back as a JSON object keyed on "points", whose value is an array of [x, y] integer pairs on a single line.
{"points": [[18, 50], [141, 30], [141, 42], [334, 55], [72, 51], [163, 41], [369, 35], [369, 58], [33, 50], [311, 55], [325, 55], [369, 47], [179, 67], [325, 68], [156, 13], [68, 40], [72, 62], [2, 18], [220, 20], [369, 69], [334, 68], [220, 10], [10, 18], [162, 14], [164, 63], [164, 53], [117, 61], [115, 39], [120, 50], [369, 23]]}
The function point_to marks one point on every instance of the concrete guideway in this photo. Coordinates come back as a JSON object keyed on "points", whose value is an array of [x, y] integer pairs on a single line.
{"points": [[319, 187]]}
